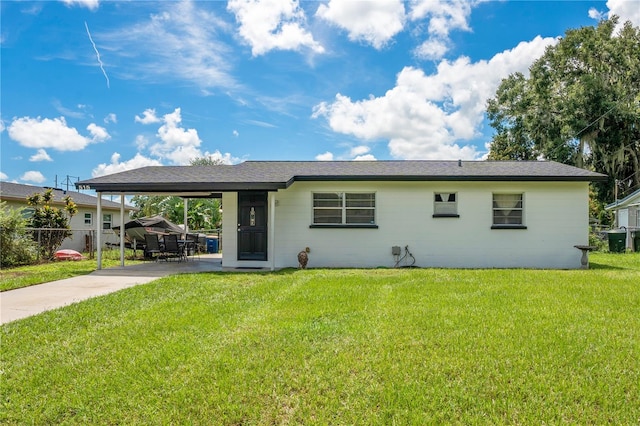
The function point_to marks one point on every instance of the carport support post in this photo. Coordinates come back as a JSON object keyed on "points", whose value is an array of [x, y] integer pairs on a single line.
{"points": [[272, 230], [122, 230], [99, 231], [186, 229]]}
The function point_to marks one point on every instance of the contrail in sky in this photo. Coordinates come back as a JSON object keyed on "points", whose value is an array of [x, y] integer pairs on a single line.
{"points": [[97, 54]]}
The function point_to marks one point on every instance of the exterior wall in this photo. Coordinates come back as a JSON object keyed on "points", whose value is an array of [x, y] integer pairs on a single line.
{"points": [[623, 217], [629, 217], [80, 229], [555, 214]]}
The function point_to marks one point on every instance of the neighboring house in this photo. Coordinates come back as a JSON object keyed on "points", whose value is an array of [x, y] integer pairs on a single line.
{"points": [[627, 211], [477, 214], [82, 224], [627, 216]]}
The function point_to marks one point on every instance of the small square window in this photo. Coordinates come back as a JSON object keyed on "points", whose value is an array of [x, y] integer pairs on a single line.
{"points": [[508, 211], [445, 204], [88, 218]]}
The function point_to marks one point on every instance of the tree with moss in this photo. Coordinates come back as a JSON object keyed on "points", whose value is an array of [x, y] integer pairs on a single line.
{"points": [[580, 105], [50, 223]]}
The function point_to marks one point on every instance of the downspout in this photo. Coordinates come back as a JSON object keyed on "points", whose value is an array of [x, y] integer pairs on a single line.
{"points": [[272, 233], [122, 233], [99, 231]]}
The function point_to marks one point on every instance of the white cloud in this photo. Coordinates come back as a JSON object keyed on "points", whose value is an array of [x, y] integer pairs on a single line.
{"points": [[182, 42], [225, 158], [595, 14], [180, 145], [359, 150], [89, 4], [375, 21], [116, 166], [273, 24], [627, 10], [429, 116], [368, 157], [443, 16], [52, 133], [327, 156], [68, 112], [33, 176], [177, 144], [141, 142], [3, 176], [98, 134], [432, 49], [41, 155], [148, 117], [235, 133], [110, 118]]}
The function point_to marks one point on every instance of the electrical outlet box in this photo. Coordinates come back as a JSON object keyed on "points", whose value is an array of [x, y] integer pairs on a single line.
{"points": [[395, 250]]}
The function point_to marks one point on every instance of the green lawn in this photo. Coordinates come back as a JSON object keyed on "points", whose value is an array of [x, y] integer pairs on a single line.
{"points": [[337, 347], [24, 276]]}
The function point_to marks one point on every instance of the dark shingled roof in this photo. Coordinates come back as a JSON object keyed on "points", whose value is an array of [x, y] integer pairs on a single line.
{"points": [[20, 192], [272, 175]]}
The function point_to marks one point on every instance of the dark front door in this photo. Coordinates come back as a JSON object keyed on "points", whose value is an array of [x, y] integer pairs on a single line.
{"points": [[252, 225]]}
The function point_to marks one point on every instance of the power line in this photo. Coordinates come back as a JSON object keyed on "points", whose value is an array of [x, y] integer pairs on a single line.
{"points": [[603, 114]]}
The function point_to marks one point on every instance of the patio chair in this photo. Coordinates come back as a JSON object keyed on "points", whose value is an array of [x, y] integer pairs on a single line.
{"points": [[191, 246], [171, 247], [152, 246]]}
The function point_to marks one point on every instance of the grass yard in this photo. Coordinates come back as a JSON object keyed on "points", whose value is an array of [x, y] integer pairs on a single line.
{"points": [[24, 276], [321, 346]]}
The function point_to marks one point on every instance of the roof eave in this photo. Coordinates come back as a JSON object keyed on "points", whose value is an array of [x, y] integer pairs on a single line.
{"points": [[182, 187], [431, 178]]}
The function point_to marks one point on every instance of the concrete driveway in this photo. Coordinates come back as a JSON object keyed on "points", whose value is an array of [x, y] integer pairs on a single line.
{"points": [[27, 301]]}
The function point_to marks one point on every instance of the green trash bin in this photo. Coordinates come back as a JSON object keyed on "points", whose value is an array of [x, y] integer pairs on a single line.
{"points": [[636, 240], [617, 241]]}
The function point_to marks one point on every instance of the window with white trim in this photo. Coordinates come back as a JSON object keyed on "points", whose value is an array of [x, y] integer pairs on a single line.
{"points": [[508, 210], [344, 208], [107, 221], [88, 219], [445, 204]]}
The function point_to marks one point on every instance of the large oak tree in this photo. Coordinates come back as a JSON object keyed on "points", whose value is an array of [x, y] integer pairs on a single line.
{"points": [[580, 105]]}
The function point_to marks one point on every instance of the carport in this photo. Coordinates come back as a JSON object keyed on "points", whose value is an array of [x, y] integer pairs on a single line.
{"points": [[187, 182]]}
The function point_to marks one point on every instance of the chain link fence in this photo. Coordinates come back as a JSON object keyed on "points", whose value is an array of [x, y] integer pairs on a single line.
{"points": [[84, 240]]}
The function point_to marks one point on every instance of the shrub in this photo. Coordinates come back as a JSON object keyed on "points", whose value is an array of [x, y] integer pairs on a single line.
{"points": [[596, 239], [16, 247], [55, 220]]}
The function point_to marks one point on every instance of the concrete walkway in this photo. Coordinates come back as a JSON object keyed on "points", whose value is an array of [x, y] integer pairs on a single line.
{"points": [[27, 301]]}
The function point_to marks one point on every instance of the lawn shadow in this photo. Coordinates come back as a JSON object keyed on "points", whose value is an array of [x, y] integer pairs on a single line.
{"points": [[593, 265]]}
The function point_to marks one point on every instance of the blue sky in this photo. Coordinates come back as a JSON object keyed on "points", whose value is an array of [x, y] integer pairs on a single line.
{"points": [[95, 87]]}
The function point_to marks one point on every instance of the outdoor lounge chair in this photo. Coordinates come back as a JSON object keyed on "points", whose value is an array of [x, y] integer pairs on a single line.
{"points": [[152, 246]]}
